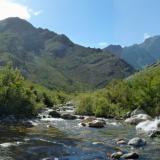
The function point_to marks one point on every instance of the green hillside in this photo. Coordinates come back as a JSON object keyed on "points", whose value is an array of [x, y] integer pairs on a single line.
{"points": [[141, 90], [54, 61]]}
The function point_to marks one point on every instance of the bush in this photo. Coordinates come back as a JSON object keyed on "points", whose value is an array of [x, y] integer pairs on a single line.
{"points": [[85, 104], [15, 98], [23, 98], [141, 90]]}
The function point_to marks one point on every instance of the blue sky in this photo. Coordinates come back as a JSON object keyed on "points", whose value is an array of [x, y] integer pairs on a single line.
{"points": [[96, 23]]}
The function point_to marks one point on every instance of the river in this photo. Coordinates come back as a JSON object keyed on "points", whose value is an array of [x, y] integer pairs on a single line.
{"points": [[58, 139]]}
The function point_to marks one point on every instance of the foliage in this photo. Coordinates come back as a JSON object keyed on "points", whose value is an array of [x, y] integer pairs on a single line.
{"points": [[141, 90], [22, 98]]}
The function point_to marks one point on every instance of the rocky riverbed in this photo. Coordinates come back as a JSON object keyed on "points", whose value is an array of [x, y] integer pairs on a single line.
{"points": [[61, 135]]}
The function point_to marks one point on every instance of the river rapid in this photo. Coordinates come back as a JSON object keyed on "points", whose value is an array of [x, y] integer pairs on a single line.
{"points": [[58, 139]]}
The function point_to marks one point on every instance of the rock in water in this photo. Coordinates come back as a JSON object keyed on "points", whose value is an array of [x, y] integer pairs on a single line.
{"points": [[93, 122], [88, 119], [154, 134], [117, 155], [28, 124], [121, 141], [137, 111], [127, 115], [130, 156], [96, 124], [137, 119], [83, 124], [68, 116], [152, 128], [81, 117], [55, 114], [137, 142]]}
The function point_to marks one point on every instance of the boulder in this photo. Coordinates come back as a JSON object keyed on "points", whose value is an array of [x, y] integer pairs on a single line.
{"points": [[127, 115], [137, 142], [137, 111], [134, 120], [69, 103], [117, 155], [28, 124], [55, 114], [121, 141], [81, 117], [152, 128], [88, 119], [98, 143], [83, 124], [93, 122], [68, 116], [63, 109], [96, 124], [131, 155], [154, 134], [50, 158]]}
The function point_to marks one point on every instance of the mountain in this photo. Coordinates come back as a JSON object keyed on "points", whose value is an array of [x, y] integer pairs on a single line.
{"points": [[139, 55], [115, 49], [54, 61]]}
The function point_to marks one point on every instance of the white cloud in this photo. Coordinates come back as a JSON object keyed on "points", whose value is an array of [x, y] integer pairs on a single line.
{"points": [[8, 8], [146, 35], [35, 13], [102, 44]]}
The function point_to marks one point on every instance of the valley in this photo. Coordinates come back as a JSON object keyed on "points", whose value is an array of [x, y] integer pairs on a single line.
{"points": [[63, 101]]}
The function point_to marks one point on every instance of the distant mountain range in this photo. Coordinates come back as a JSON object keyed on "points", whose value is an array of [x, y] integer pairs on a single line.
{"points": [[138, 55], [54, 61]]}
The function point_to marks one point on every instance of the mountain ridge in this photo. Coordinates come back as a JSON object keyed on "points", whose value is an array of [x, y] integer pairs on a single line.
{"points": [[139, 55], [54, 61]]}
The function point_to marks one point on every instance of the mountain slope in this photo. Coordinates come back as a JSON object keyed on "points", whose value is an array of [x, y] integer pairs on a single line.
{"points": [[140, 90], [139, 55], [115, 49], [54, 60]]}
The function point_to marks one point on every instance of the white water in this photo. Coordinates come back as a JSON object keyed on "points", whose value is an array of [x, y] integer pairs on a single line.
{"points": [[149, 126], [9, 144]]}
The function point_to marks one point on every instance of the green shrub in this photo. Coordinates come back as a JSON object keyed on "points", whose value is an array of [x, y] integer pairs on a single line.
{"points": [[23, 98], [141, 90], [15, 98], [85, 104]]}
